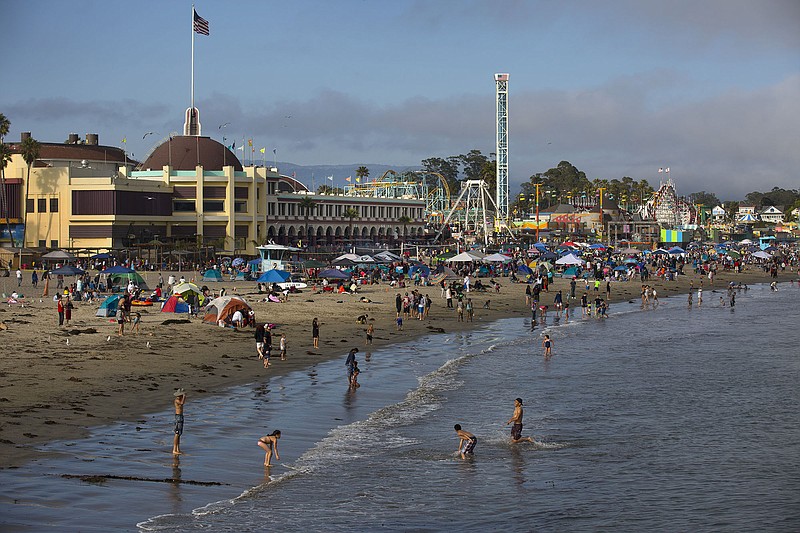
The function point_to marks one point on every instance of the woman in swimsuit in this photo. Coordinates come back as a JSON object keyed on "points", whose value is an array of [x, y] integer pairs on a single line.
{"points": [[547, 345], [269, 443]]}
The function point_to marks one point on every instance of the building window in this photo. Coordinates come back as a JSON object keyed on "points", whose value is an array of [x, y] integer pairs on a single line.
{"points": [[54, 243], [42, 243], [213, 205], [29, 204], [183, 205], [240, 207], [54, 205], [41, 205]]}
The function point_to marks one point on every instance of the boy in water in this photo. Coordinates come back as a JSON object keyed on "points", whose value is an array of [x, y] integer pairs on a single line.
{"points": [[466, 442], [516, 429], [180, 399]]}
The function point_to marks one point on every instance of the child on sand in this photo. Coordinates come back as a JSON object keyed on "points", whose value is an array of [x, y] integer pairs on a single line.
{"points": [[137, 319], [269, 443], [399, 321], [283, 346]]}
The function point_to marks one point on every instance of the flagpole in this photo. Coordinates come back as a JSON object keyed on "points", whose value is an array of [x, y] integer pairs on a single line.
{"points": [[191, 27]]}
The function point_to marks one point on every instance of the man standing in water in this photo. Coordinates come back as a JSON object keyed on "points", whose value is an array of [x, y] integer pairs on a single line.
{"points": [[180, 399], [516, 429]]}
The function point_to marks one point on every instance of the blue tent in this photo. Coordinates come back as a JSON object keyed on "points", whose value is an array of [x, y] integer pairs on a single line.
{"points": [[103, 255], [525, 270], [273, 276], [67, 270], [212, 274], [332, 273], [109, 306], [243, 276], [571, 271], [118, 269], [621, 268]]}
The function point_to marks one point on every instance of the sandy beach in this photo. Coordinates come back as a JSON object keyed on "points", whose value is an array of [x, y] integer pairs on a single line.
{"points": [[58, 382]]}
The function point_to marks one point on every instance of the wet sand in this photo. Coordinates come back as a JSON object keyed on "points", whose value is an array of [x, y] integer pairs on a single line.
{"points": [[53, 390]]}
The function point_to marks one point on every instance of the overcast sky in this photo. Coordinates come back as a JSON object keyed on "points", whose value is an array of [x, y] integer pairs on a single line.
{"points": [[709, 88]]}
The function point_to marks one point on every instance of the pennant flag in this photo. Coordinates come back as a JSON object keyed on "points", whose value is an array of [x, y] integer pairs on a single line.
{"points": [[200, 24], [249, 142], [275, 151], [263, 150], [666, 170], [330, 178], [232, 146], [125, 139], [241, 148], [661, 170], [358, 180], [347, 178]]}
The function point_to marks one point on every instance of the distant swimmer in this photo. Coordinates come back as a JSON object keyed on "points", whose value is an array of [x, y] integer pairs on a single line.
{"points": [[269, 443], [516, 419], [466, 442]]}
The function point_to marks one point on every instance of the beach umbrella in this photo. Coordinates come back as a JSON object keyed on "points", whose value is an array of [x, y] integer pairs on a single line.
{"points": [[67, 270], [770, 249], [630, 261], [274, 276], [597, 246], [103, 255], [238, 261], [546, 264], [570, 272], [464, 257], [333, 273], [676, 250], [621, 268], [540, 246], [734, 254], [762, 255], [661, 251]]}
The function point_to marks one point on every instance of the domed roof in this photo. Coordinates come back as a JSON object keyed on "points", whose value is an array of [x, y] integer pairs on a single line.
{"points": [[186, 152]]}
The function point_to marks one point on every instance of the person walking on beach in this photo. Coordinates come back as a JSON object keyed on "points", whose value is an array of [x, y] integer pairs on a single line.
{"points": [[470, 311], [120, 320], [350, 364], [370, 333], [283, 346], [180, 399], [315, 332], [516, 419], [547, 344], [267, 345], [19, 276], [60, 308], [259, 336], [34, 279], [466, 442], [460, 309], [269, 443]]}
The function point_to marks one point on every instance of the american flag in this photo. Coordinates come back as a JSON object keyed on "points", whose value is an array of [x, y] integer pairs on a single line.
{"points": [[200, 24]]}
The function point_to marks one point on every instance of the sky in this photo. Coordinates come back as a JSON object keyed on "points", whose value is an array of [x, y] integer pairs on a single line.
{"points": [[708, 88]]}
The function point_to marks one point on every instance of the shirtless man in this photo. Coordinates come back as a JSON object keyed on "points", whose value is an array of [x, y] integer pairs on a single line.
{"points": [[466, 441], [180, 399], [516, 418]]}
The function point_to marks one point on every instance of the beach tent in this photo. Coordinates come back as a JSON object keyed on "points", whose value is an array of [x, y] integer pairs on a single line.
{"points": [[109, 306], [242, 276], [387, 257], [570, 259], [183, 288], [222, 308], [175, 305], [570, 272], [67, 270], [762, 255], [332, 273], [497, 258], [274, 276], [59, 255], [212, 274], [464, 257], [120, 275], [423, 270]]}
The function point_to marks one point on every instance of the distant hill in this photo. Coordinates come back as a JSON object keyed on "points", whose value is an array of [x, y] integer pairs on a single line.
{"points": [[318, 173]]}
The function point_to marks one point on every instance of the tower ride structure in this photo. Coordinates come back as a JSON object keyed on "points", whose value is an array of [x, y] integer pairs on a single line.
{"points": [[501, 216]]}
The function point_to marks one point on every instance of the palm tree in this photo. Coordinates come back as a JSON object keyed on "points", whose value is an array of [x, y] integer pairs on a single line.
{"points": [[30, 153], [5, 158], [362, 172], [351, 213], [307, 204], [404, 220]]}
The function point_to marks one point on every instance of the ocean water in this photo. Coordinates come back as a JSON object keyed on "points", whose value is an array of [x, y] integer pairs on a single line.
{"points": [[667, 418]]}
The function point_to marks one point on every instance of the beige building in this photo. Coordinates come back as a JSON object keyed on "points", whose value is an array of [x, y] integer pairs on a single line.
{"points": [[190, 191]]}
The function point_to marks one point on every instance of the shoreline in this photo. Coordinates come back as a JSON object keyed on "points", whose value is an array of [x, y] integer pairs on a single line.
{"points": [[54, 391]]}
